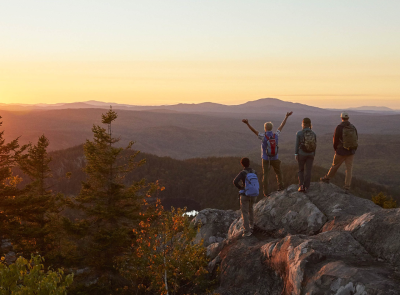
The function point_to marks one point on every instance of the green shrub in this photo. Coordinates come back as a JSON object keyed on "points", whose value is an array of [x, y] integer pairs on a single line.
{"points": [[29, 278]]}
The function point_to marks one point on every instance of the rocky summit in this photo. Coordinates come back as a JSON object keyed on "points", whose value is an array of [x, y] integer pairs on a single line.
{"points": [[324, 242]]}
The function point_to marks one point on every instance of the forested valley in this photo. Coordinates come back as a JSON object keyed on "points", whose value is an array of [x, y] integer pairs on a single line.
{"points": [[92, 215], [109, 238], [194, 183]]}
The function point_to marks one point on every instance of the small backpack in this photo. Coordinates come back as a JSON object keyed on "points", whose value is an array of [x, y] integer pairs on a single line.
{"points": [[251, 186], [309, 143], [272, 147], [350, 138]]}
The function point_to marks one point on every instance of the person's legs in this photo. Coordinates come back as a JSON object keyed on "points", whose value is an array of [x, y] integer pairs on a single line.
{"points": [[276, 164], [301, 161], [244, 207], [266, 167], [337, 161], [349, 171], [308, 164], [251, 211]]}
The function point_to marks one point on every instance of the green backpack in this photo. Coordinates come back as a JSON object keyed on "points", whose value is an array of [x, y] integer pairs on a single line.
{"points": [[350, 138], [309, 144]]}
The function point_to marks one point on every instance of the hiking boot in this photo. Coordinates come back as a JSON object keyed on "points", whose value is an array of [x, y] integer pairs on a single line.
{"points": [[267, 196], [301, 189], [346, 191], [280, 189], [324, 179], [248, 234]]}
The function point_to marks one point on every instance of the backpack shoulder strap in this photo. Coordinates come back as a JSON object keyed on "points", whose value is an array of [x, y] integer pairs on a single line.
{"points": [[268, 138], [245, 173]]}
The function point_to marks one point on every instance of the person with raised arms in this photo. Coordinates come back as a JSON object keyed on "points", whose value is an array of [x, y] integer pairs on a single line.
{"points": [[269, 152]]}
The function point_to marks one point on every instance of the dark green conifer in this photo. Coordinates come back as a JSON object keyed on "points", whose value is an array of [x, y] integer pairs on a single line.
{"points": [[35, 210], [111, 208], [9, 153]]}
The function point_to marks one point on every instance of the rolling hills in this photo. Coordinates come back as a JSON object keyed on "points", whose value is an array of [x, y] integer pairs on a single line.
{"points": [[206, 130]]}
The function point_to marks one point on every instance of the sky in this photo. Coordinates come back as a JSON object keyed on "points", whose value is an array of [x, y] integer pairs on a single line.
{"points": [[341, 53]]}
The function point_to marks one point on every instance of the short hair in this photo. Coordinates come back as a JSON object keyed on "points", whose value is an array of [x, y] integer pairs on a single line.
{"points": [[268, 126], [245, 162]]}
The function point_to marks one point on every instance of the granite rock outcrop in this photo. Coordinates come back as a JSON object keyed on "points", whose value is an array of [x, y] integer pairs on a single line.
{"points": [[324, 242]]}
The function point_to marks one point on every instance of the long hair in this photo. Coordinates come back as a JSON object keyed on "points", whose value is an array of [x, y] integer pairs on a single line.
{"points": [[307, 123]]}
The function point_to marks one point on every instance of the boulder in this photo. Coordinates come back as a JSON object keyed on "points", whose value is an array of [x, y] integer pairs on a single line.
{"points": [[324, 242], [284, 212], [243, 272], [379, 233], [339, 207], [213, 225], [214, 249], [328, 263]]}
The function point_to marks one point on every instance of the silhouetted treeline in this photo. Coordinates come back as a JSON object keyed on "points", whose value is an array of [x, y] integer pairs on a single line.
{"points": [[195, 183]]}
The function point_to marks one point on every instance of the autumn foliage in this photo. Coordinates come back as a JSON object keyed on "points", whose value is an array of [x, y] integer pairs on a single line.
{"points": [[163, 259]]}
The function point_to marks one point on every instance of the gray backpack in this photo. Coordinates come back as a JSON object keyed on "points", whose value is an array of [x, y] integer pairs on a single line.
{"points": [[350, 138]]}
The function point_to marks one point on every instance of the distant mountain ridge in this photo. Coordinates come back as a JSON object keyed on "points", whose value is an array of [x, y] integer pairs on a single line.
{"points": [[183, 107], [257, 106], [372, 109]]}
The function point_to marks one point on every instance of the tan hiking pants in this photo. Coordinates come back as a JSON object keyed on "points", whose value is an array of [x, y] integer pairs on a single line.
{"points": [[246, 206], [266, 165], [337, 161]]}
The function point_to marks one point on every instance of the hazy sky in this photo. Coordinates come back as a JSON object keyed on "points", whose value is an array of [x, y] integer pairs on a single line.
{"points": [[324, 53]]}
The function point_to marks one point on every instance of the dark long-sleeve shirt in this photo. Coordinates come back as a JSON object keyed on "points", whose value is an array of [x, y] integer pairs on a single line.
{"points": [[241, 177], [338, 140]]}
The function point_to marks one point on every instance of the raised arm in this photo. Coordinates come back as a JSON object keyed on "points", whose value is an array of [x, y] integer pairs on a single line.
{"points": [[245, 121], [284, 120]]}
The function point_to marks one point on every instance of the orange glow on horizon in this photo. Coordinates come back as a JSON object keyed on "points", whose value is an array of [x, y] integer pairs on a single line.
{"points": [[228, 82]]}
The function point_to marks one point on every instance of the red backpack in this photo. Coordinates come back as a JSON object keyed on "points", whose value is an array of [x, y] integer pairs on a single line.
{"points": [[271, 148]]}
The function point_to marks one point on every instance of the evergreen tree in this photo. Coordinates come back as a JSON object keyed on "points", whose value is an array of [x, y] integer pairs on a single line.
{"points": [[111, 209], [35, 164], [9, 153], [34, 211], [38, 205]]}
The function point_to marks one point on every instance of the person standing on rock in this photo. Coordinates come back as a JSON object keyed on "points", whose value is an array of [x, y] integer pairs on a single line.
{"points": [[269, 152], [247, 183], [306, 144], [345, 143]]}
